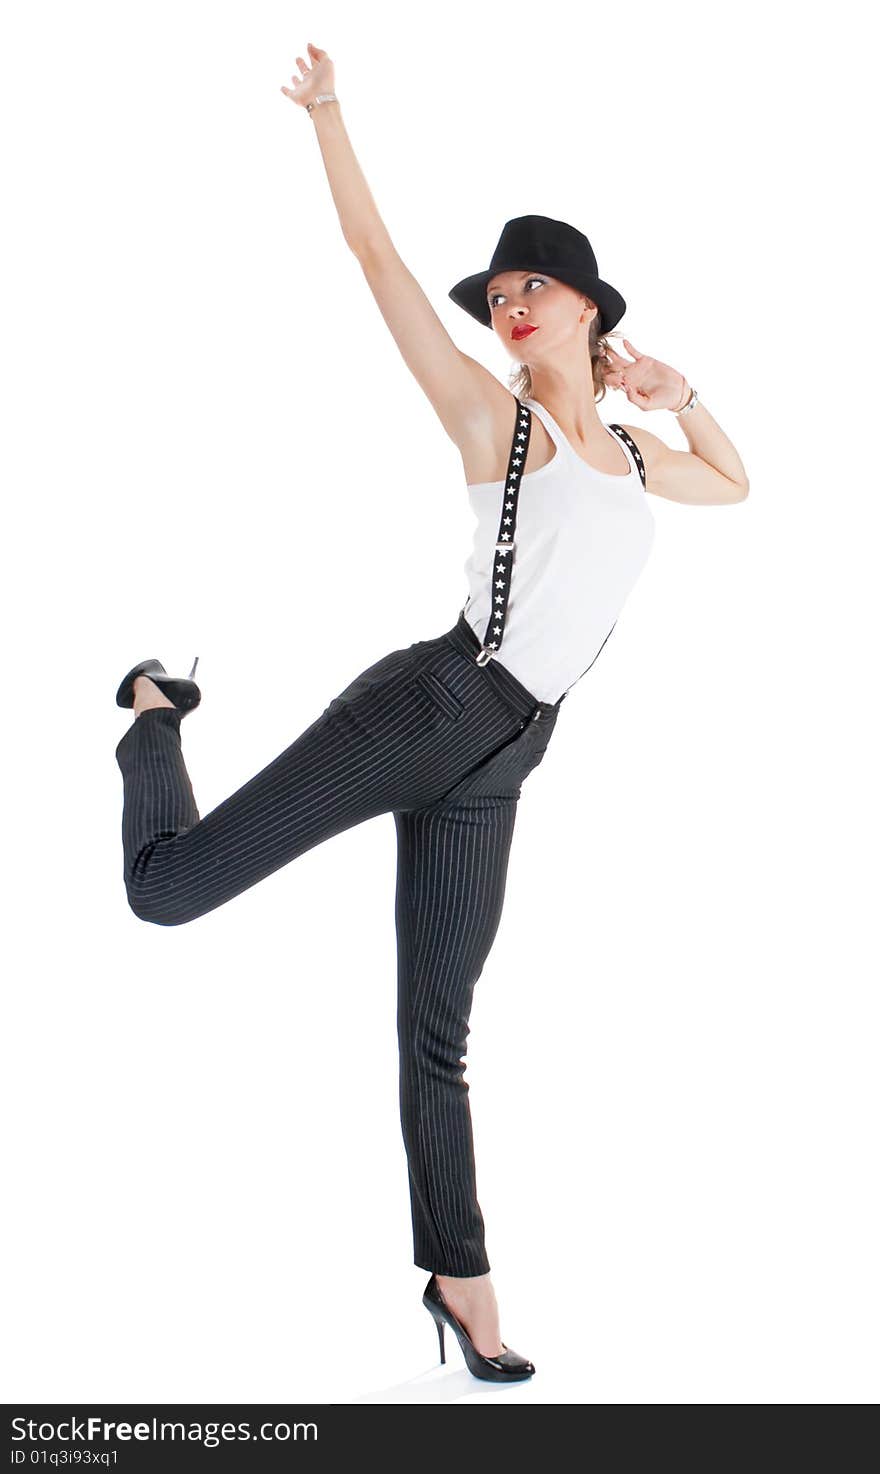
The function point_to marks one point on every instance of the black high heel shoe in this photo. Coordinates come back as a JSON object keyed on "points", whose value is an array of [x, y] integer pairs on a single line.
{"points": [[508, 1367], [182, 690]]}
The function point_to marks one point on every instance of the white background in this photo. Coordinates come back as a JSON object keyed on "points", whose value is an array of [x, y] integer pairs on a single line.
{"points": [[213, 446]]}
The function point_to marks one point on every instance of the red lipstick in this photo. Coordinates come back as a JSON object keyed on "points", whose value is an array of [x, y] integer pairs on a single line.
{"points": [[522, 330]]}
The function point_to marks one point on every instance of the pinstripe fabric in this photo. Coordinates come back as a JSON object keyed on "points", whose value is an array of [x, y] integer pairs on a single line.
{"points": [[442, 744]]}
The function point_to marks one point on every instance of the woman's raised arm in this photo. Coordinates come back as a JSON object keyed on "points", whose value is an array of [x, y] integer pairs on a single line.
{"points": [[461, 390]]}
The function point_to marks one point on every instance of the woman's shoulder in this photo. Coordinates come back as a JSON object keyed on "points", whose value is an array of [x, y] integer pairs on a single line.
{"points": [[486, 452]]}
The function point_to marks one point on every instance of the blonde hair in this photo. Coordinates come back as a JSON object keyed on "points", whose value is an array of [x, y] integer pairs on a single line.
{"points": [[520, 381]]}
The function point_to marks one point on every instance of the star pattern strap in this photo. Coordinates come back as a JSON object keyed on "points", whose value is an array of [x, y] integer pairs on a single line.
{"points": [[637, 455], [502, 571]]}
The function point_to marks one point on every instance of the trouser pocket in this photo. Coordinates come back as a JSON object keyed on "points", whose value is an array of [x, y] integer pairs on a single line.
{"points": [[436, 690]]}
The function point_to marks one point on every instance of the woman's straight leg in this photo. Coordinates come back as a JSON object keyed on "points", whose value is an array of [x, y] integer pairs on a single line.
{"points": [[452, 872], [453, 857]]}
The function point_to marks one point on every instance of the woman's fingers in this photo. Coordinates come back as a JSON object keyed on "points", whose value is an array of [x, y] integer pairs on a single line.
{"points": [[305, 70], [303, 85]]}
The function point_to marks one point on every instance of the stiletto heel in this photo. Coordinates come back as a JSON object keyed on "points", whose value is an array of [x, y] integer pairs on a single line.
{"points": [[508, 1367], [182, 690]]}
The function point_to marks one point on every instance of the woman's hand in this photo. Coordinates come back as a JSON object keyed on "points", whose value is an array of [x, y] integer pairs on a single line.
{"points": [[315, 78], [646, 382]]}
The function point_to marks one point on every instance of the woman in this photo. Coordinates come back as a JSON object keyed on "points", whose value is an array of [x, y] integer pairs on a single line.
{"points": [[443, 733]]}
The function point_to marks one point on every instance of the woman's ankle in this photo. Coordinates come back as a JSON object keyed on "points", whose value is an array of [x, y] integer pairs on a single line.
{"points": [[147, 695], [464, 1282]]}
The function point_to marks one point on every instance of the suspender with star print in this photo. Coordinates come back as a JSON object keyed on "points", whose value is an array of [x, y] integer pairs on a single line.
{"points": [[502, 570], [623, 435]]}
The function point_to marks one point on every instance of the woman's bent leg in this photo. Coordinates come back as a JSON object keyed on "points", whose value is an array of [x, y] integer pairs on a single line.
{"points": [[178, 867], [452, 872], [383, 744]]}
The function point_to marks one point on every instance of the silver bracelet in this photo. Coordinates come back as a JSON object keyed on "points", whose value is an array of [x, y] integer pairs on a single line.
{"points": [[322, 97], [686, 408]]}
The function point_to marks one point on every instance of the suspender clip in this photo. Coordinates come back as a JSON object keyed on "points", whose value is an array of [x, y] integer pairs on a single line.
{"points": [[506, 547], [484, 656]]}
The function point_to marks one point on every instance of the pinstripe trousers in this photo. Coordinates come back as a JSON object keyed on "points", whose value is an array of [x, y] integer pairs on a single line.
{"points": [[442, 744]]}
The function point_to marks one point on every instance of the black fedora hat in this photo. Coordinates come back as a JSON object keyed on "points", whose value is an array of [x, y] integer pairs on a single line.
{"points": [[535, 242]]}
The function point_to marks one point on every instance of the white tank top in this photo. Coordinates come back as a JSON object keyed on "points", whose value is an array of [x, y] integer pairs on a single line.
{"points": [[582, 539]]}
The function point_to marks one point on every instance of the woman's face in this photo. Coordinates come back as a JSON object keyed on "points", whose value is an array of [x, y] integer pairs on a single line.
{"points": [[555, 311]]}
